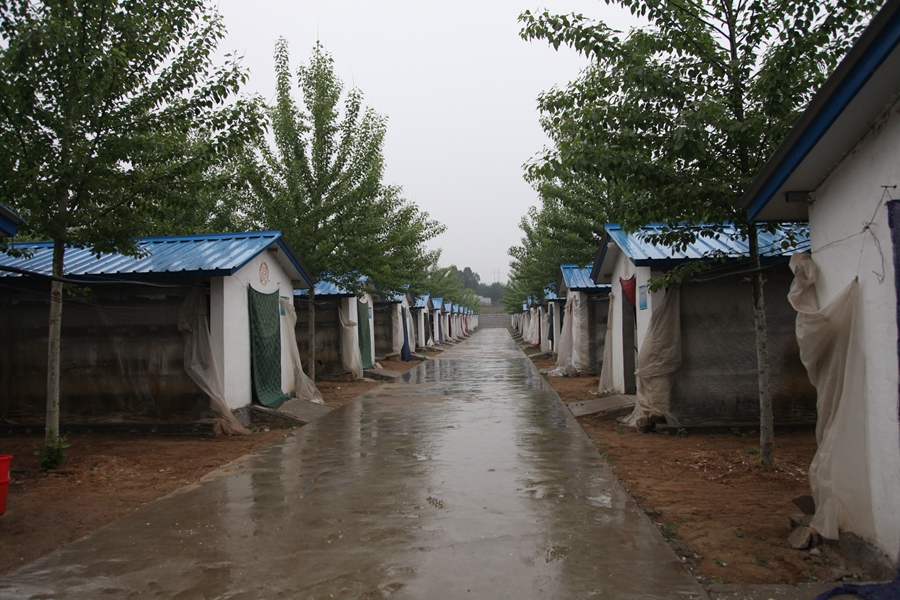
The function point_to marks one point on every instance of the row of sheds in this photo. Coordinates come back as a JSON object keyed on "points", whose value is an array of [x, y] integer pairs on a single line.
{"points": [[688, 353], [196, 327]]}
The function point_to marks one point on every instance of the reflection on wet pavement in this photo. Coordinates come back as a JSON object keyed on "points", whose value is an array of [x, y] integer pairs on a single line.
{"points": [[467, 480]]}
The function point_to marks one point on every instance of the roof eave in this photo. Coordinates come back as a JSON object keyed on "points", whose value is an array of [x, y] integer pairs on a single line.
{"points": [[868, 53]]}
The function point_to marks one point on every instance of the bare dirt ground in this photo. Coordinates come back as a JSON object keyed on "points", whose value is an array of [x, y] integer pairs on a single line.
{"points": [[725, 515], [108, 476]]}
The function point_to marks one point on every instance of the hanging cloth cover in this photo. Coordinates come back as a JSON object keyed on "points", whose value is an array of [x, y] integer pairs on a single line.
{"points": [[405, 354], [265, 348], [396, 328], [304, 388], [659, 357], [550, 336], [350, 359], [581, 353], [833, 356], [606, 387], [365, 337], [564, 353], [429, 334], [440, 323], [547, 337], [628, 288], [193, 323]]}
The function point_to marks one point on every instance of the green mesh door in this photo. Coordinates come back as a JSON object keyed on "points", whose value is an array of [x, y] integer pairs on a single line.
{"points": [[365, 340], [265, 348]]}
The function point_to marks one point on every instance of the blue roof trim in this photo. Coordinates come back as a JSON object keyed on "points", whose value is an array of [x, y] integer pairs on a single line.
{"points": [[421, 301], [9, 221], [835, 104], [437, 303]]}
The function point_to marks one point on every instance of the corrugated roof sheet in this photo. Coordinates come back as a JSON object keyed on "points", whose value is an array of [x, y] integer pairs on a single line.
{"points": [[327, 288], [211, 255], [447, 307], [727, 243], [437, 303], [421, 301], [579, 279]]}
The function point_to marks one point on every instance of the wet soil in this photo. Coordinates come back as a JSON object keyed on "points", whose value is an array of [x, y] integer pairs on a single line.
{"points": [[109, 476], [725, 515]]}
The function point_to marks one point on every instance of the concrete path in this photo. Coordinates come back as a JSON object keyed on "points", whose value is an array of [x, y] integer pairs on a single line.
{"points": [[468, 480]]}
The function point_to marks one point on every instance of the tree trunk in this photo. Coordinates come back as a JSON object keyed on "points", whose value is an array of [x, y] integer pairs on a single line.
{"points": [[312, 334], [766, 420], [51, 435]]}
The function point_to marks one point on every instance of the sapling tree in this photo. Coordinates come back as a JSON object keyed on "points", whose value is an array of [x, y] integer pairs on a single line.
{"points": [[320, 180], [109, 109]]}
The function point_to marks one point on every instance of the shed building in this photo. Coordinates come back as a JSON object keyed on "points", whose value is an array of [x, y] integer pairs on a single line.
{"points": [[838, 167], [195, 327]]}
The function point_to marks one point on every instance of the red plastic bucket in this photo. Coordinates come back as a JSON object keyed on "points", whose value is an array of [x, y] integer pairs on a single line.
{"points": [[4, 480]]}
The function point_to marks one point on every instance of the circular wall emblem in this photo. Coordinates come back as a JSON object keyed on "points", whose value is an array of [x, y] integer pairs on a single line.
{"points": [[264, 273]]}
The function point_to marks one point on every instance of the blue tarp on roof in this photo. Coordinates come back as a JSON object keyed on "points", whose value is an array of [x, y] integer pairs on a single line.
{"points": [[726, 244], [210, 255], [421, 301], [437, 303], [579, 279]]}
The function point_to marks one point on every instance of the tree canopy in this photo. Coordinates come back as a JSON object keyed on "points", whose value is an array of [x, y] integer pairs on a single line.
{"points": [[320, 181]]}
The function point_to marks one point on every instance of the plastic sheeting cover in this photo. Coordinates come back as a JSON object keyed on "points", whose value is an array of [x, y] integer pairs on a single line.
{"points": [[193, 323], [581, 340], [564, 350], [350, 357], [396, 328], [606, 386], [304, 388], [659, 357], [833, 356]]}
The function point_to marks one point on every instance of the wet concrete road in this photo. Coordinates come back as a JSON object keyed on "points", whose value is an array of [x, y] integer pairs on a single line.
{"points": [[468, 480]]}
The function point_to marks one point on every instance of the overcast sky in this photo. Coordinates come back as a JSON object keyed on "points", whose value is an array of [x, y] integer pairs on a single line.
{"points": [[459, 88]]}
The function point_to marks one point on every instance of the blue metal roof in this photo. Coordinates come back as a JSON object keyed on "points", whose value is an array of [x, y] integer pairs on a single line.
{"points": [[209, 255], [421, 301], [578, 279], [456, 308], [437, 303], [839, 115], [447, 307], [9, 221], [726, 244], [327, 288]]}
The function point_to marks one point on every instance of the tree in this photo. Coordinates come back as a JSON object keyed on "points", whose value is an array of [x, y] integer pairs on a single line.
{"points": [[109, 108], [678, 116], [446, 283], [321, 184]]}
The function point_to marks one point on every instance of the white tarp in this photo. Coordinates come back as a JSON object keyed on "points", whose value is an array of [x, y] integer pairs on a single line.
{"points": [[304, 388], [659, 357], [581, 355], [832, 354], [396, 328], [564, 364], [606, 370], [193, 323], [546, 344], [351, 359]]}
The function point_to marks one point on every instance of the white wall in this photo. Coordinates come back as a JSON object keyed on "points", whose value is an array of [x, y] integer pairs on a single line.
{"points": [[849, 197], [230, 326]]}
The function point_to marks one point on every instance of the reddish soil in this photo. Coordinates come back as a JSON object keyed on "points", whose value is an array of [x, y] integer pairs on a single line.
{"points": [[724, 514]]}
